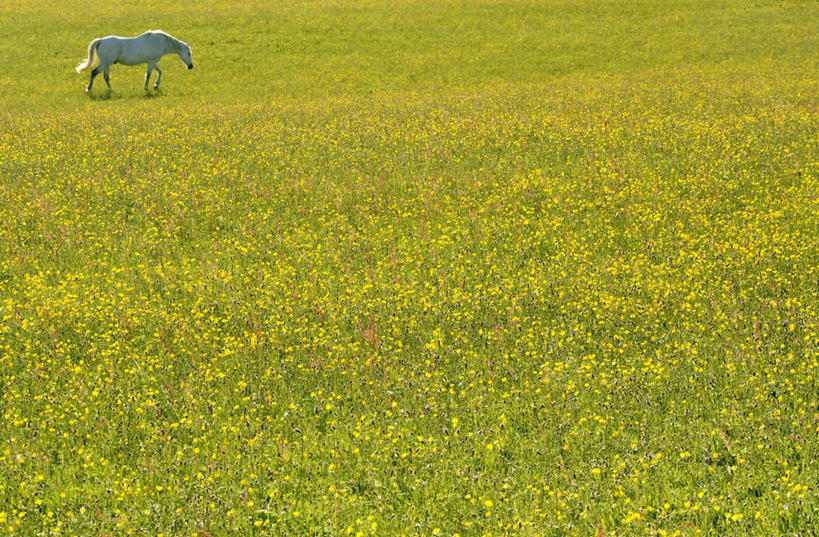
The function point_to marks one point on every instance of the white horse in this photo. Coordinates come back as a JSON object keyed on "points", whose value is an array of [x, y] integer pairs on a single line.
{"points": [[148, 47]]}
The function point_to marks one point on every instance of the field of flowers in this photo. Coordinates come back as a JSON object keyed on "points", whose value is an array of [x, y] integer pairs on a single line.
{"points": [[412, 268]]}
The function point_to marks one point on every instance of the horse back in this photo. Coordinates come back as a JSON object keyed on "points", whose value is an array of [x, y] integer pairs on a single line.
{"points": [[149, 46]]}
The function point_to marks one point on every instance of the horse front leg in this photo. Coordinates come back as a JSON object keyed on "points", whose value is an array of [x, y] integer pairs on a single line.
{"points": [[158, 77], [148, 75]]}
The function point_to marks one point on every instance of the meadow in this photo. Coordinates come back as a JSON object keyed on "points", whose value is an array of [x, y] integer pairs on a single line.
{"points": [[412, 268]]}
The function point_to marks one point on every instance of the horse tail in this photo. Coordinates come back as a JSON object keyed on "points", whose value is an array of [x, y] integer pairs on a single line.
{"points": [[92, 55]]}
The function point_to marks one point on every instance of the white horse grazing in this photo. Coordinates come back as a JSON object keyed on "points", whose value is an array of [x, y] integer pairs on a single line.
{"points": [[149, 47]]}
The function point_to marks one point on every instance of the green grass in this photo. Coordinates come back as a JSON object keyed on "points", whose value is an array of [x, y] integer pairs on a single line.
{"points": [[412, 268]]}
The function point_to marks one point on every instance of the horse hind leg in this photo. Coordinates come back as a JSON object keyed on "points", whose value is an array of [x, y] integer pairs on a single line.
{"points": [[105, 73], [94, 74]]}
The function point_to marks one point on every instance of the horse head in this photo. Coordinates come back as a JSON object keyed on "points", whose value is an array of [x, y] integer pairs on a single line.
{"points": [[185, 54]]}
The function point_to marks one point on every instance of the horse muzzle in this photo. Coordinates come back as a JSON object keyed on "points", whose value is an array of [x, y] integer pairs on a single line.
{"points": [[190, 66]]}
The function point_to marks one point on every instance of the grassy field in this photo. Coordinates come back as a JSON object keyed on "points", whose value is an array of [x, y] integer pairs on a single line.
{"points": [[412, 268]]}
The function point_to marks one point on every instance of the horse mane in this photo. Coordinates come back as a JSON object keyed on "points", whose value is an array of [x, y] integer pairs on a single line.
{"points": [[172, 41]]}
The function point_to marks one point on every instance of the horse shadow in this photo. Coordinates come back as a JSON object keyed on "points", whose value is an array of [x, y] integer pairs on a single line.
{"points": [[105, 96], [152, 94], [113, 96]]}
